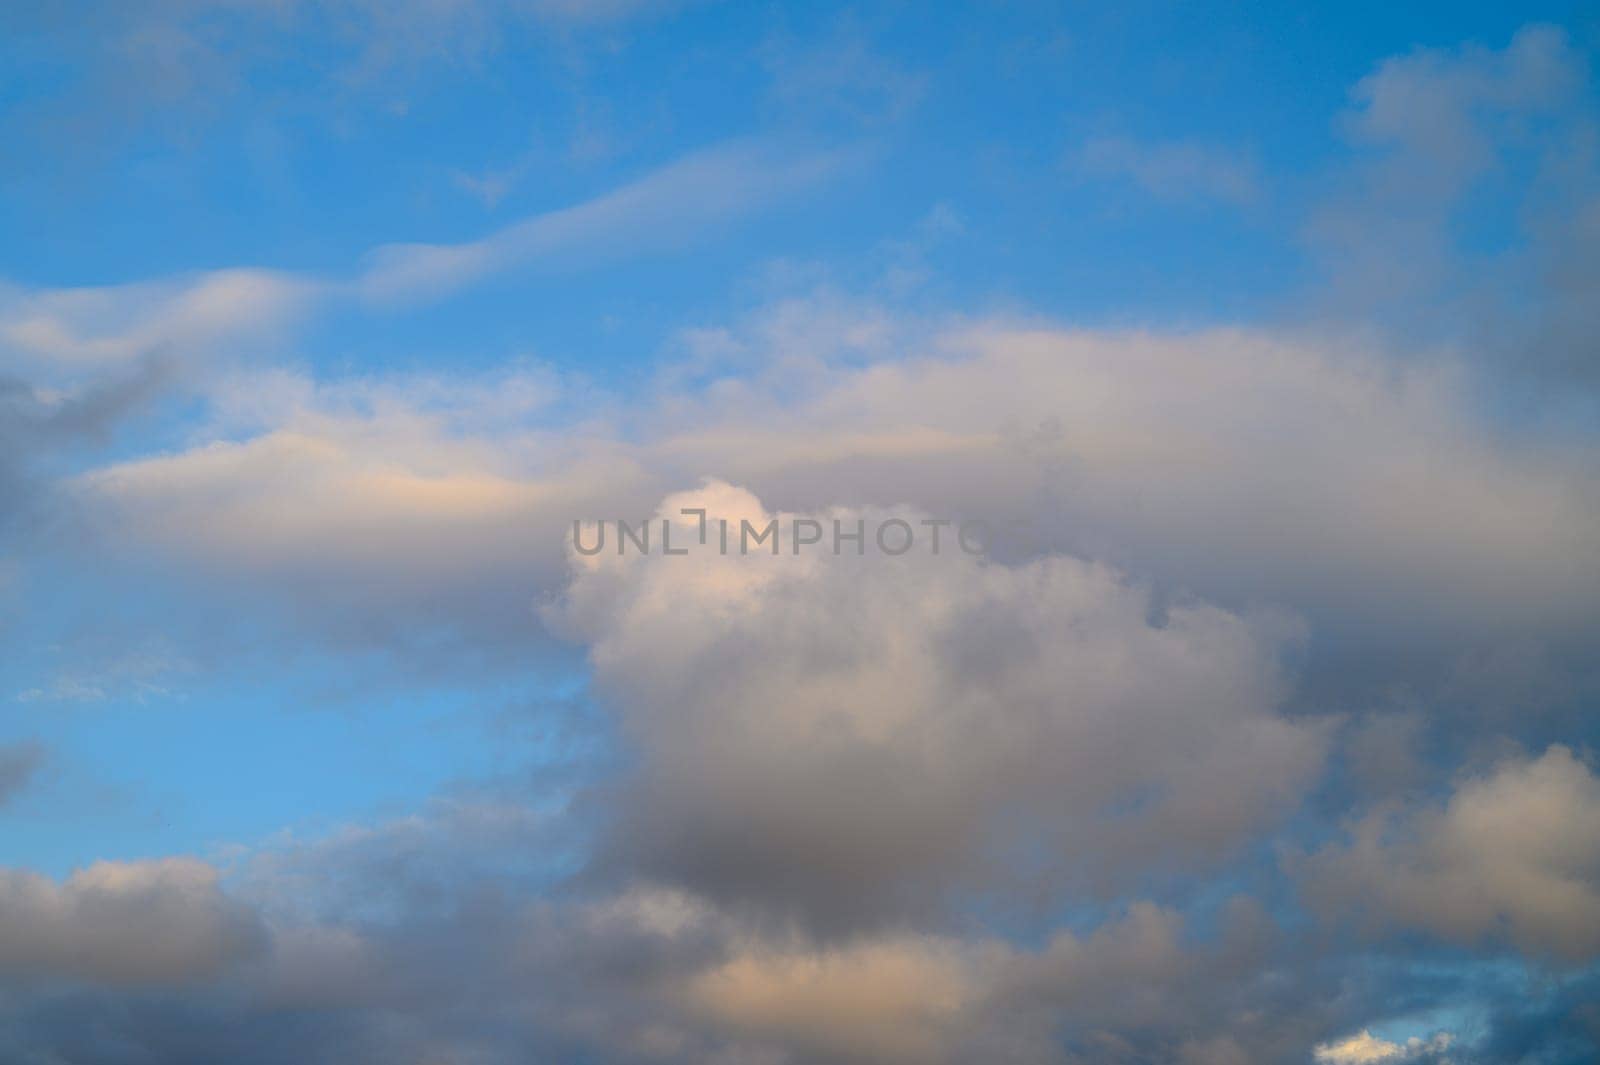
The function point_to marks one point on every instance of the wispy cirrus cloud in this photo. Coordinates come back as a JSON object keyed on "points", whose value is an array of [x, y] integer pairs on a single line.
{"points": [[1174, 171], [660, 209], [173, 64], [84, 328]]}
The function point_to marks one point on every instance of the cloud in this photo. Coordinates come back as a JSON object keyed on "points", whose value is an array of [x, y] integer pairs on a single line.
{"points": [[174, 64], [1178, 171], [843, 77], [130, 924], [1364, 1048], [1145, 450], [384, 948], [75, 330], [460, 934], [375, 508], [135, 676], [1135, 988], [1405, 242], [1513, 857], [1387, 508], [1432, 103], [89, 327], [490, 186], [19, 764], [40, 427], [87, 358], [885, 1001], [1013, 808], [1050, 716], [658, 209]]}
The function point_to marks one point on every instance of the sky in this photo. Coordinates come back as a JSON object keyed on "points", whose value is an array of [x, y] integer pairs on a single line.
{"points": [[1263, 343]]}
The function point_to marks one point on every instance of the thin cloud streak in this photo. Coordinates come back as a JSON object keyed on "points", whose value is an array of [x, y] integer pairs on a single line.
{"points": [[84, 328]]}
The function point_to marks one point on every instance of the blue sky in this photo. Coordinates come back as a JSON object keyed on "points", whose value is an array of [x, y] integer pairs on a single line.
{"points": [[283, 156], [322, 320]]}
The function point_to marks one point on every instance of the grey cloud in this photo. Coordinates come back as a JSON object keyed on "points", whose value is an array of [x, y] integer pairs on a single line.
{"points": [[1386, 510], [1513, 856], [474, 962], [19, 764], [40, 427], [867, 799], [1431, 125], [1432, 103], [1558, 1026], [853, 738], [167, 65], [122, 923]]}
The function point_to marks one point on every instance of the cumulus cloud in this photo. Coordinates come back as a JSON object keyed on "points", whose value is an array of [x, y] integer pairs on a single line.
{"points": [[1513, 856], [452, 935], [1134, 989], [883, 1001], [1432, 102], [853, 735], [130, 924], [1401, 240], [866, 809], [1150, 450], [469, 961], [1386, 508], [1364, 1048]]}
